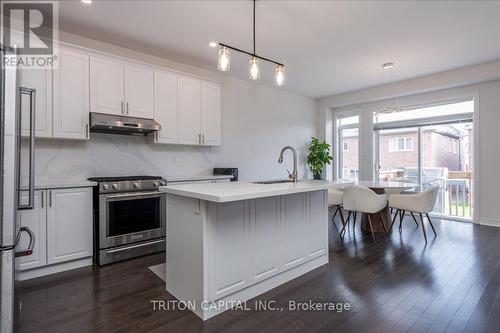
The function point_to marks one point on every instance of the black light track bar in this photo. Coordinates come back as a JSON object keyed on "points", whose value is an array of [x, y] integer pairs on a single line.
{"points": [[251, 54]]}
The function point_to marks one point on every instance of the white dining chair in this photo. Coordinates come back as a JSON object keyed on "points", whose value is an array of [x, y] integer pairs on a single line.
{"points": [[421, 203], [335, 199], [361, 199]]}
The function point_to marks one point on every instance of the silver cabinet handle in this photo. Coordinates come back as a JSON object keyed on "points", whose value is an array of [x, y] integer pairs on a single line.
{"points": [[87, 131], [31, 185], [127, 108], [203, 138], [199, 138], [31, 246], [43, 198], [50, 198], [121, 104]]}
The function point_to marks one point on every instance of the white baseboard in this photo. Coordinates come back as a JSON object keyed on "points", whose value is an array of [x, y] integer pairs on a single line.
{"points": [[52, 269], [489, 222]]}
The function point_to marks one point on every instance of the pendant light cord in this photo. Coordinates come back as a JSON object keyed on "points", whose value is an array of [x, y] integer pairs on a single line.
{"points": [[254, 26]]}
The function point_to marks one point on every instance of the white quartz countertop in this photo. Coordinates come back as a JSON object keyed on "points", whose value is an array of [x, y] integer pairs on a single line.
{"points": [[68, 184], [196, 178], [235, 191]]}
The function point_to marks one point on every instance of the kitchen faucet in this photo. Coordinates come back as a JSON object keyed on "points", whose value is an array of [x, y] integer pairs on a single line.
{"points": [[292, 175]]}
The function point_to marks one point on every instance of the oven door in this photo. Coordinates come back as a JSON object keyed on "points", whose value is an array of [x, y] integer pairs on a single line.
{"points": [[126, 218]]}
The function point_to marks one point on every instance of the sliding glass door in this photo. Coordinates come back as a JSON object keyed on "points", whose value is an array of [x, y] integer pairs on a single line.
{"points": [[429, 146]]}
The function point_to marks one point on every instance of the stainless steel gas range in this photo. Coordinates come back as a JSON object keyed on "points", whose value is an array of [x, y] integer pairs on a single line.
{"points": [[129, 215]]}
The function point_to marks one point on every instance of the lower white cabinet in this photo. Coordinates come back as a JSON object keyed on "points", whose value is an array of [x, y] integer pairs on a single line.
{"points": [[62, 223], [252, 240], [36, 220], [69, 224]]}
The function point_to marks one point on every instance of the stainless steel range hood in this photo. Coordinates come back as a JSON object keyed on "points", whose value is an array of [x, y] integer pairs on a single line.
{"points": [[115, 124]]}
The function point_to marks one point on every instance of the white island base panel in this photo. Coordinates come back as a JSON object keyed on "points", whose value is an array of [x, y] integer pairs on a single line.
{"points": [[219, 254]]}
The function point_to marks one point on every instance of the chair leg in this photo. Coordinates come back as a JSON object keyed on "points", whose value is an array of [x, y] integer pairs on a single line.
{"points": [[430, 222], [401, 216], [336, 211], [355, 216], [371, 226], [344, 223], [393, 220], [423, 228], [414, 219], [382, 223], [354, 220]]}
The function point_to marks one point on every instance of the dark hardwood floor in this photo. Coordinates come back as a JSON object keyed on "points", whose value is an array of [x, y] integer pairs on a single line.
{"points": [[395, 284]]}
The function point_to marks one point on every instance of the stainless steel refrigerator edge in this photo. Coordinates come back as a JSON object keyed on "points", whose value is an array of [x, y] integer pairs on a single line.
{"points": [[10, 155]]}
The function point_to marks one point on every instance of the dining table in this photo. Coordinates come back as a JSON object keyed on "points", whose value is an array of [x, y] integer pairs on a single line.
{"points": [[379, 187]]}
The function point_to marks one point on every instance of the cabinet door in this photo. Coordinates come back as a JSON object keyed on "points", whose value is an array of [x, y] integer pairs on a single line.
{"points": [[165, 106], [317, 230], [210, 113], [41, 80], [69, 224], [189, 130], [265, 237], [229, 254], [293, 216], [36, 220], [106, 86], [138, 91], [71, 96]]}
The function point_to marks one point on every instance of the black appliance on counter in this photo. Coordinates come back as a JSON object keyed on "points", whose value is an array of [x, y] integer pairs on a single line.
{"points": [[129, 217], [227, 171]]}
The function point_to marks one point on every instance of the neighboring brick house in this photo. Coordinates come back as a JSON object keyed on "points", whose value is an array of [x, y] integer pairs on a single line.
{"points": [[443, 147]]}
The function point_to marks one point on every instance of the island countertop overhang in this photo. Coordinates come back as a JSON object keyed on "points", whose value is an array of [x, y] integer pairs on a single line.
{"points": [[236, 191]]}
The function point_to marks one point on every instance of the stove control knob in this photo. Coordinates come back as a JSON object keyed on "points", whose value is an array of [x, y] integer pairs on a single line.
{"points": [[105, 186], [137, 185], [156, 183], [163, 182], [114, 186]]}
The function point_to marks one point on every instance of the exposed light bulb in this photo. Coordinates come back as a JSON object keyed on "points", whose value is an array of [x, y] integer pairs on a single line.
{"points": [[224, 59], [87, 1], [280, 75], [212, 44], [254, 72]]}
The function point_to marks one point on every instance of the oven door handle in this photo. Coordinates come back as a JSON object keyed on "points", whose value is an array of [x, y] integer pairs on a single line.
{"points": [[138, 195]]}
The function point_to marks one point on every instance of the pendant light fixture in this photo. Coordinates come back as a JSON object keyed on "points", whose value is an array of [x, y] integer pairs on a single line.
{"points": [[223, 63]]}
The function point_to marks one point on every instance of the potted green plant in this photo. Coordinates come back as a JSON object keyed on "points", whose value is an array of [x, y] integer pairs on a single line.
{"points": [[319, 156]]}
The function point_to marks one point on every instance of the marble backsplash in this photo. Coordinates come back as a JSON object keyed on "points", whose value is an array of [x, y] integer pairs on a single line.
{"points": [[117, 155]]}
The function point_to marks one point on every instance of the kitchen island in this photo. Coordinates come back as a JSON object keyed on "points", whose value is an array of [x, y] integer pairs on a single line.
{"points": [[230, 242]]}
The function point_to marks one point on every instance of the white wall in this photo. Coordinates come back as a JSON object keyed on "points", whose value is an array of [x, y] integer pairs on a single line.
{"points": [[427, 90], [257, 121]]}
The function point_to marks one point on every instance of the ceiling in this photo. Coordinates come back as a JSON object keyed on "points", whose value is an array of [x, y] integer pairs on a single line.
{"points": [[328, 47]]}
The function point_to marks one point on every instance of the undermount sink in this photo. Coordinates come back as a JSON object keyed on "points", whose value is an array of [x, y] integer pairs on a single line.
{"points": [[274, 181]]}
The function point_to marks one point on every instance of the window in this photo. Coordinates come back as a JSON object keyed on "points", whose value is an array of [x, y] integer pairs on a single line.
{"points": [[400, 144], [347, 136]]}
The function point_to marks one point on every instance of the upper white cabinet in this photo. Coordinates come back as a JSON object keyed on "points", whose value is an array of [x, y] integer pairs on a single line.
{"points": [[189, 121], [198, 112], [117, 87], [106, 86], [165, 106], [71, 96], [138, 91], [41, 81], [69, 224], [210, 113]]}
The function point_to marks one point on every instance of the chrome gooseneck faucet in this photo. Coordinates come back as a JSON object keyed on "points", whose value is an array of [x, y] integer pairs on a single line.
{"points": [[292, 175]]}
